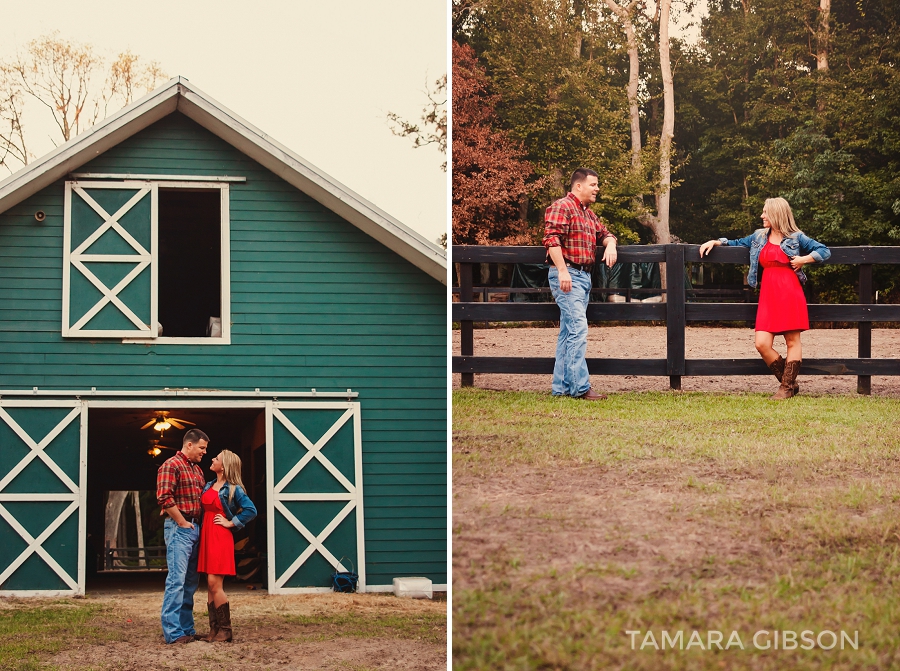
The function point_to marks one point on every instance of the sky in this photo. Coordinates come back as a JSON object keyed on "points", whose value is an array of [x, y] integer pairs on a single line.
{"points": [[319, 77]]}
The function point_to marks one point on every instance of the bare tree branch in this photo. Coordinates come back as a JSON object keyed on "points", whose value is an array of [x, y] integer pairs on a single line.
{"points": [[57, 73], [12, 137], [433, 126], [69, 80]]}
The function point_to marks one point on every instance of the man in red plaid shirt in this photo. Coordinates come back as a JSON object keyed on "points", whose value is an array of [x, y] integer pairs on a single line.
{"points": [[571, 235], [179, 483]]}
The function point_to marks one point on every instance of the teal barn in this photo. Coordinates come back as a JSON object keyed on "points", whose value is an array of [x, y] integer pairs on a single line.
{"points": [[176, 263]]}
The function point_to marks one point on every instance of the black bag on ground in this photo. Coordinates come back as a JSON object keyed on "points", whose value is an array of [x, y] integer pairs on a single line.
{"points": [[345, 581]]}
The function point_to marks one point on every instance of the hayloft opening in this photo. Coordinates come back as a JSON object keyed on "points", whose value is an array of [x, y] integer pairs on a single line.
{"points": [[190, 262]]}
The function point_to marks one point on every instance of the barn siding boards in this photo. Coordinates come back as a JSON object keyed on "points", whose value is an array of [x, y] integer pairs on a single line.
{"points": [[315, 303]]}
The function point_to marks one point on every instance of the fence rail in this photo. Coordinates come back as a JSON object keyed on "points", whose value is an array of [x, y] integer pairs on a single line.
{"points": [[149, 558], [676, 312]]}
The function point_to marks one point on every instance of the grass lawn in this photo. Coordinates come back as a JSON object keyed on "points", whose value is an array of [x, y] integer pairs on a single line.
{"points": [[655, 513], [29, 635]]}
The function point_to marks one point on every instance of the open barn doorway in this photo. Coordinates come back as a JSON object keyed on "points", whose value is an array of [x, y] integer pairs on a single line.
{"points": [[125, 546]]}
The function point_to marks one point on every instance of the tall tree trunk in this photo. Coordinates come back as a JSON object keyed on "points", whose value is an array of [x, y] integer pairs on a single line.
{"points": [[823, 37], [634, 72], [135, 495], [112, 518], [557, 181], [668, 127], [578, 10], [634, 113], [823, 43], [655, 223]]}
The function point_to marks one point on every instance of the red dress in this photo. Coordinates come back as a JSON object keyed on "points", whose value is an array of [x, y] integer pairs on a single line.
{"points": [[216, 543], [782, 305]]}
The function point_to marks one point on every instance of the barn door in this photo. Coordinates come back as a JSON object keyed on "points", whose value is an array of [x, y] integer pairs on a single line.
{"points": [[43, 463], [315, 505], [109, 260]]}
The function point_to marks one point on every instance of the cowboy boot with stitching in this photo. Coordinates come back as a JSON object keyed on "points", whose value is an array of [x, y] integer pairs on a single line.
{"points": [[786, 390], [777, 368], [223, 617], [795, 386], [213, 622]]}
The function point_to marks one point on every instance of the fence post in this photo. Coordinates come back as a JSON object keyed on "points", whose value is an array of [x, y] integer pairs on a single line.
{"points": [[675, 317], [864, 382], [466, 327]]}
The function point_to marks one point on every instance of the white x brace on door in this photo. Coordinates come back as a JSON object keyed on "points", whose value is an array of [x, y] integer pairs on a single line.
{"points": [[43, 467], [110, 260], [315, 502]]}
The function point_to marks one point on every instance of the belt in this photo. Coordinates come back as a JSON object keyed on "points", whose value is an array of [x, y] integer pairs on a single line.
{"points": [[192, 520], [584, 267]]}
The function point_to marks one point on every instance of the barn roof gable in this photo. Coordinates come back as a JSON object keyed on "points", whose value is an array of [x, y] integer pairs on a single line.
{"points": [[180, 95]]}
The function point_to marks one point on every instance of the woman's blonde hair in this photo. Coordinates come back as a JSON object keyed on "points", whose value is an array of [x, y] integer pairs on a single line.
{"points": [[780, 216], [231, 465]]}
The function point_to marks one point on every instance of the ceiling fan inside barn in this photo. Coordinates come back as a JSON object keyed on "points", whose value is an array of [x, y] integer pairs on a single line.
{"points": [[156, 447], [161, 421]]}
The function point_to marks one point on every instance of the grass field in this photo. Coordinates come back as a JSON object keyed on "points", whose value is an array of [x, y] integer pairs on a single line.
{"points": [[30, 635], [576, 522]]}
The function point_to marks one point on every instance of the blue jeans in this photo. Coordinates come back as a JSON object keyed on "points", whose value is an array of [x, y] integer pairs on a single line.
{"points": [[182, 549], [570, 373]]}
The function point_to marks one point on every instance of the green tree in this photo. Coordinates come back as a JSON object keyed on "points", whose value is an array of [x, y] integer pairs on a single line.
{"points": [[765, 118], [561, 90]]}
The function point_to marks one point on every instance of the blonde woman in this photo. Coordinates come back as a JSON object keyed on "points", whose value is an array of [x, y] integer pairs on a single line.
{"points": [[226, 507], [782, 250]]}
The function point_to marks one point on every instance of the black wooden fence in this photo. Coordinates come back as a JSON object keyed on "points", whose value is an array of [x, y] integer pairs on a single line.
{"points": [[676, 312]]}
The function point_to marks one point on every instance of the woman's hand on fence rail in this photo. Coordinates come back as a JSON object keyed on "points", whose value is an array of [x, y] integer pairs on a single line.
{"points": [[707, 246]]}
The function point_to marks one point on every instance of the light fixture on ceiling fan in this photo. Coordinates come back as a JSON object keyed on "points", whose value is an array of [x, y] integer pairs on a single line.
{"points": [[156, 449], [162, 421]]}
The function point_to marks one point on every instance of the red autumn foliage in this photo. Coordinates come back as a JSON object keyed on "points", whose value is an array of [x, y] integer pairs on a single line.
{"points": [[489, 175]]}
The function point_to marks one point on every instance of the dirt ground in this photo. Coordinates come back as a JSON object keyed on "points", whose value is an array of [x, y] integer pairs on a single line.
{"points": [[530, 518], [649, 342], [646, 519], [265, 636]]}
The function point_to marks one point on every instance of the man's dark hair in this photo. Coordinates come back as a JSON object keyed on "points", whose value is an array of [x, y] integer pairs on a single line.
{"points": [[580, 175], [194, 436]]}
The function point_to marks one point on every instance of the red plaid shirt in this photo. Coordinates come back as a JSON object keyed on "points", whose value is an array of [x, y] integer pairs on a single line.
{"points": [[573, 226], [180, 483]]}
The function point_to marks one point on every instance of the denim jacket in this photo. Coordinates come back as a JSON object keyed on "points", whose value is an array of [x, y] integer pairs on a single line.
{"points": [[241, 509], [797, 244]]}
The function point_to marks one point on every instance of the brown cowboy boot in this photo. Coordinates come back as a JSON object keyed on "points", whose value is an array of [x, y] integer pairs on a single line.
{"points": [[777, 368], [786, 390], [213, 623], [223, 617]]}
